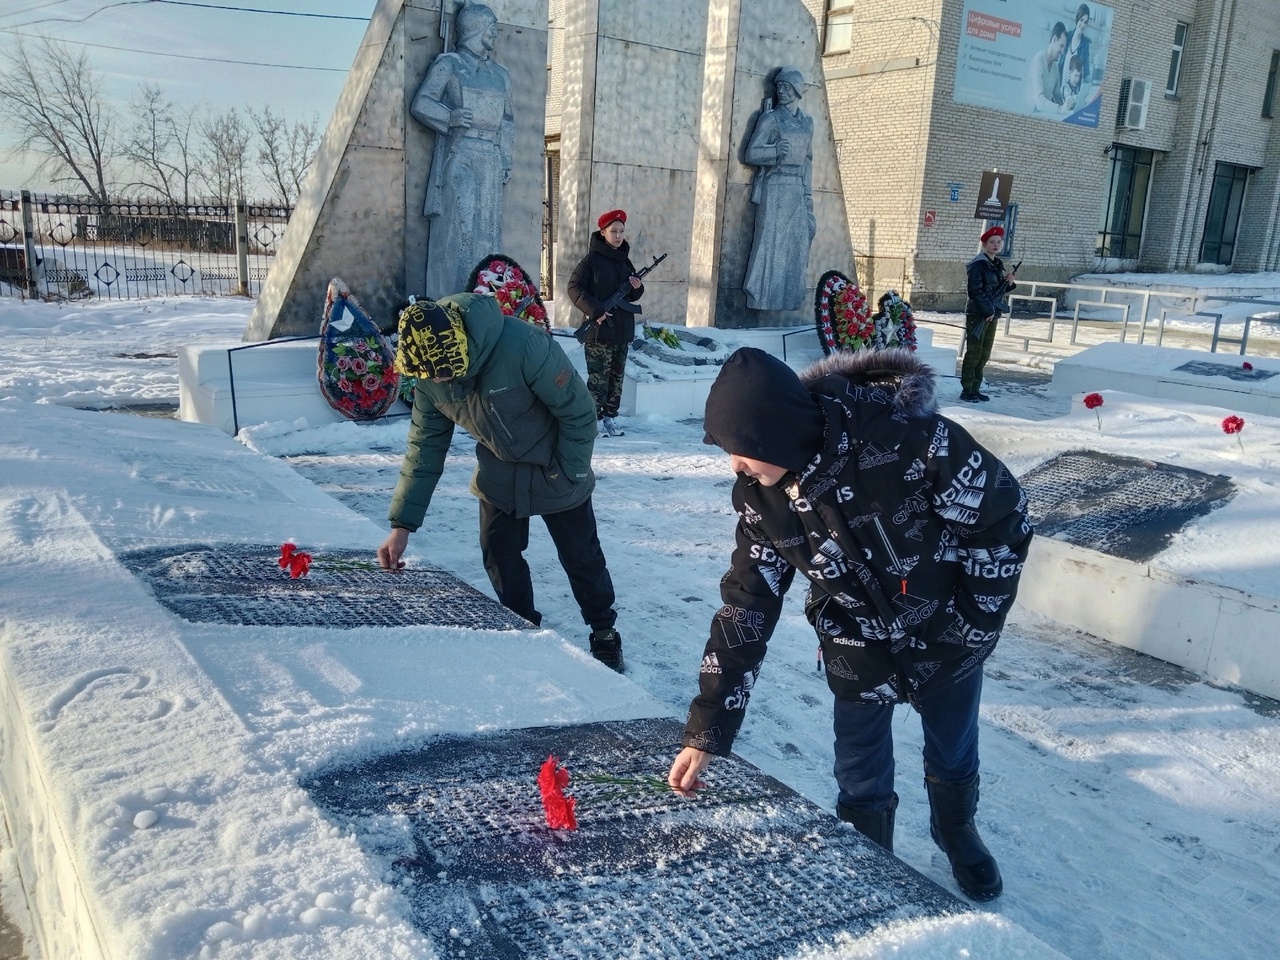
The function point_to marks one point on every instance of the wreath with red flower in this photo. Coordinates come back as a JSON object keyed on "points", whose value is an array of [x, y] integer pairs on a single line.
{"points": [[842, 314], [844, 321], [501, 277]]}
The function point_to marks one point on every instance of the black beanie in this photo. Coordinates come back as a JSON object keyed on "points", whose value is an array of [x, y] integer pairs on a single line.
{"points": [[758, 408]]}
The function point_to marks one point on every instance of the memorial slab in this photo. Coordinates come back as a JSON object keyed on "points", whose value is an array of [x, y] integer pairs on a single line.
{"points": [[749, 870], [1170, 373]]}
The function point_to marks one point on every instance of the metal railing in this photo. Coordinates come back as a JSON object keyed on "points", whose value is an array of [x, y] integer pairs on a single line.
{"points": [[1034, 316], [57, 247]]}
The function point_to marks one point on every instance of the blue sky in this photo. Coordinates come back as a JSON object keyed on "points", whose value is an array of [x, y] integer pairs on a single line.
{"points": [[305, 48]]}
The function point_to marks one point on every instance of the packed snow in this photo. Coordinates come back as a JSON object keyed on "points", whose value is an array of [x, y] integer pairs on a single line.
{"points": [[1134, 809]]}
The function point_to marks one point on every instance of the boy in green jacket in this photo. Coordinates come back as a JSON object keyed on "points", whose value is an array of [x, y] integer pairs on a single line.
{"points": [[513, 389]]}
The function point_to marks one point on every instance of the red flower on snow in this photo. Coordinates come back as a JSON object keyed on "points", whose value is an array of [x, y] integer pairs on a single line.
{"points": [[294, 560], [552, 779], [1234, 424], [1092, 401], [1247, 365]]}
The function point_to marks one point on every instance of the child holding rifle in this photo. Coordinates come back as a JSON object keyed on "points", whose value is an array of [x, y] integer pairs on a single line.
{"points": [[987, 286], [606, 266]]}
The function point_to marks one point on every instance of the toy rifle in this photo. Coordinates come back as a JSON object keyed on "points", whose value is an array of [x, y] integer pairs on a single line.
{"points": [[981, 328], [618, 299]]}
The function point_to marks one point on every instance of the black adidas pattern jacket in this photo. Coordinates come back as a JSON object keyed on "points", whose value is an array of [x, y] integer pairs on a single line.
{"points": [[911, 534]]}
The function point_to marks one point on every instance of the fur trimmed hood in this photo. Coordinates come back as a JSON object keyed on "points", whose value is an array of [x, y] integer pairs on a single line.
{"points": [[913, 382]]}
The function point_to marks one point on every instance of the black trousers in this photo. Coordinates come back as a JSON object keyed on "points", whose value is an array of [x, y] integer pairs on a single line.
{"points": [[504, 539]]}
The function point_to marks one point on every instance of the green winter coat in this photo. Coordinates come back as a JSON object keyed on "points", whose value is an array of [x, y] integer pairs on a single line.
{"points": [[530, 413]]}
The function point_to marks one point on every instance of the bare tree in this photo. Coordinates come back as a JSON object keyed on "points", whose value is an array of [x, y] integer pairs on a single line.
{"points": [[160, 145], [53, 101], [285, 151], [224, 155]]}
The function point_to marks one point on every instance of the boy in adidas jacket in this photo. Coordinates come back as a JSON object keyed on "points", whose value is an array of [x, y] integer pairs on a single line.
{"points": [[912, 537]]}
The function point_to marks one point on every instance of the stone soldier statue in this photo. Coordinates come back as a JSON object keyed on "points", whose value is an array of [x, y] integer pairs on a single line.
{"points": [[466, 100], [781, 148]]}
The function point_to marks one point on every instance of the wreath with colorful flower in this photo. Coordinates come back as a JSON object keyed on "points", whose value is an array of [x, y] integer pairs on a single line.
{"points": [[355, 369], [842, 314], [895, 323], [844, 321], [502, 278]]}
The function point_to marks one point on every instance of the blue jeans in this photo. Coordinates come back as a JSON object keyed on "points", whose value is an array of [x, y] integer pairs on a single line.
{"points": [[864, 743]]}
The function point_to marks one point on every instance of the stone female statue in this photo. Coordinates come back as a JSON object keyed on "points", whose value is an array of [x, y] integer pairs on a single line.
{"points": [[781, 148], [466, 100]]}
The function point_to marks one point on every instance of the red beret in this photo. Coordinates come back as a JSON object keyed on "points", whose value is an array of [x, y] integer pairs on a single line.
{"points": [[612, 215], [992, 232]]}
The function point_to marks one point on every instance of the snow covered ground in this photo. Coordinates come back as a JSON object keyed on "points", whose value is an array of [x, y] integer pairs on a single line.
{"points": [[1135, 810]]}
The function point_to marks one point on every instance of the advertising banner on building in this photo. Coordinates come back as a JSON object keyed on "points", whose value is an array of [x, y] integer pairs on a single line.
{"points": [[1038, 58]]}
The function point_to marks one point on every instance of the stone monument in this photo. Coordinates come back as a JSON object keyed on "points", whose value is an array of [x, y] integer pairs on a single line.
{"points": [[781, 150], [466, 100], [360, 213]]}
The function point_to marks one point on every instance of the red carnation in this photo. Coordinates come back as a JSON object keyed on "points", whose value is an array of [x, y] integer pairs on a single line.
{"points": [[1092, 401], [1234, 424], [294, 560], [552, 779], [1248, 365]]}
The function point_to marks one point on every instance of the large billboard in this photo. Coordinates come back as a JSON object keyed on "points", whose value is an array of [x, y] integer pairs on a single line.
{"points": [[1038, 58]]}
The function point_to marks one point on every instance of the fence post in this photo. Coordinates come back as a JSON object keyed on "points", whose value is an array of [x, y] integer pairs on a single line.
{"points": [[29, 241], [242, 247]]}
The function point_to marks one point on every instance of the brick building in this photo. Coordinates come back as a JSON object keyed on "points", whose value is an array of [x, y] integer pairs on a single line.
{"points": [[1174, 165], [1181, 170]]}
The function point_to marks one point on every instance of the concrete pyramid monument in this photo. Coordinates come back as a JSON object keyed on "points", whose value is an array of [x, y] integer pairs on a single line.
{"points": [[361, 212]]}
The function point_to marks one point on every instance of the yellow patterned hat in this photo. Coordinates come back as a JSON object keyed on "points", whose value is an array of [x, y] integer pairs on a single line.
{"points": [[433, 341]]}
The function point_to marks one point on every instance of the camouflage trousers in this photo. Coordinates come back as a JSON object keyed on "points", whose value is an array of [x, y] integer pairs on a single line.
{"points": [[606, 364]]}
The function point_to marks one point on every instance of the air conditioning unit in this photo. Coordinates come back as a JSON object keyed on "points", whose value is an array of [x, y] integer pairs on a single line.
{"points": [[1135, 95]]}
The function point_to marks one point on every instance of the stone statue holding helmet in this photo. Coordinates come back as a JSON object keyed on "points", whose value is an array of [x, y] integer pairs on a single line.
{"points": [[781, 150], [466, 99]]}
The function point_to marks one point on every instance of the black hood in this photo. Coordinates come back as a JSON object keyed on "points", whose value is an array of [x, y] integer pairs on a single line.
{"points": [[601, 246], [758, 408]]}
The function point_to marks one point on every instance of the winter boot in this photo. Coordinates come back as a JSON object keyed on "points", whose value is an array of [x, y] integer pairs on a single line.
{"points": [[875, 825], [611, 427], [952, 806], [606, 646]]}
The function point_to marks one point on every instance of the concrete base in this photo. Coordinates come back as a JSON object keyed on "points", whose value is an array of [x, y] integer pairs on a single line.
{"points": [[1219, 633], [1163, 372], [276, 380]]}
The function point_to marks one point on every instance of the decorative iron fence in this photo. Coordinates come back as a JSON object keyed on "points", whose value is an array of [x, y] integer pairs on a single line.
{"points": [[58, 247]]}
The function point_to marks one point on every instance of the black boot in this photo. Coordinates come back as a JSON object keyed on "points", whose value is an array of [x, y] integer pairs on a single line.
{"points": [[606, 646], [875, 825], [952, 806]]}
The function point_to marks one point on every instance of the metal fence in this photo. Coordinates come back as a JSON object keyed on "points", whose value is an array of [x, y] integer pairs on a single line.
{"points": [[59, 247], [1039, 309]]}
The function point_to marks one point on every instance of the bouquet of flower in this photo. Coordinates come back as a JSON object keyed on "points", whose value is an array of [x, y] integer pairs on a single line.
{"points": [[663, 335], [502, 278]]}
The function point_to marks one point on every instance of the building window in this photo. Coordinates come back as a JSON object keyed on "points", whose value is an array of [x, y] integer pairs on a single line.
{"points": [[839, 38], [1120, 236], [1222, 220], [1269, 97], [1175, 58]]}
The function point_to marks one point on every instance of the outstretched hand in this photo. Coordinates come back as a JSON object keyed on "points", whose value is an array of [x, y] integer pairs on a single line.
{"points": [[683, 777], [392, 549]]}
